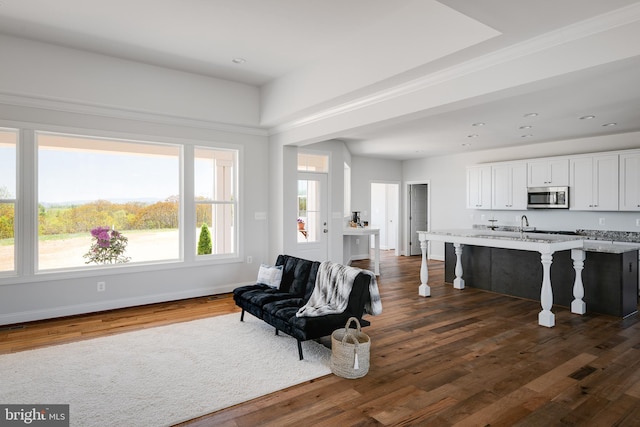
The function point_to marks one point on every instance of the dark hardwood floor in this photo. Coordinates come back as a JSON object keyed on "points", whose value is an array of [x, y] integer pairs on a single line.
{"points": [[463, 358]]}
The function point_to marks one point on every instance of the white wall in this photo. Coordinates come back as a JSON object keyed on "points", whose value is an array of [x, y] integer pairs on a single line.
{"points": [[43, 74], [364, 171], [69, 90], [448, 188]]}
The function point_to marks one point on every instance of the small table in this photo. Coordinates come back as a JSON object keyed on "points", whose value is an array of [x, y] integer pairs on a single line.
{"points": [[367, 231]]}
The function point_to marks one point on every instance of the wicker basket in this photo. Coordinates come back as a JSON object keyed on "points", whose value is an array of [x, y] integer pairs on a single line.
{"points": [[350, 351]]}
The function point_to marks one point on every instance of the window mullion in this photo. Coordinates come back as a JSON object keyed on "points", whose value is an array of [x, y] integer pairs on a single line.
{"points": [[188, 207], [26, 238]]}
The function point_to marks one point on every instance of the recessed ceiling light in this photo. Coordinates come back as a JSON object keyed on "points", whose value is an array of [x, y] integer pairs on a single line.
{"points": [[609, 124], [527, 136], [478, 124], [238, 60], [526, 127], [473, 135], [587, 117], [531, 115]]}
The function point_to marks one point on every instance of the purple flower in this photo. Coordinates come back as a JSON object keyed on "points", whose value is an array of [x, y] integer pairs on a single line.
{"points": [[108, 246], [99, 230]]}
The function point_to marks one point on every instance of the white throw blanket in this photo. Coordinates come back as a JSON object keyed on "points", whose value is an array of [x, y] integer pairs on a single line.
{"points": [[332, 289]]}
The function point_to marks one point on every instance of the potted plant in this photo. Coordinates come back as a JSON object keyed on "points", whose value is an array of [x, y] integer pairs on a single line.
{"points": [[204, 242]]}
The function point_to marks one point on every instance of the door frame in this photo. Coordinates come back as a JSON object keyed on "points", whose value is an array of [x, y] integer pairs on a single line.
{"points": [[397, 245], [318, 249], [407, 222]]}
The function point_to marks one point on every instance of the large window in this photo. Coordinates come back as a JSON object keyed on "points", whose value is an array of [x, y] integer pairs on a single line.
{"points": [[215, 185], [8, 145], [88, 187]]}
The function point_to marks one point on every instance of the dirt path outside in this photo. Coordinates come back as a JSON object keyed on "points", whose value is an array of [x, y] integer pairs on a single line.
{"points": [[152, 245]]}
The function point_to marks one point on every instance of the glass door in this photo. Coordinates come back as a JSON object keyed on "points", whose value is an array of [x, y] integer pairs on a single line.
{"points": [[312, 227]]}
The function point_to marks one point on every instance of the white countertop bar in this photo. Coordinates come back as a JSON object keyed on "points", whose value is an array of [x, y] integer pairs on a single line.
{"points": [[545, 244], [367, 231]]}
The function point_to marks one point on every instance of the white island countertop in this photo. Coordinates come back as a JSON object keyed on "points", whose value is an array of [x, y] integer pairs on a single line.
{"points": [[610, 247], [507, 239], [545, 244], [529, 240]]}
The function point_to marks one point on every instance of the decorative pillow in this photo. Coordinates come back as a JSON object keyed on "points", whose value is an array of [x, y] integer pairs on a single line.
{"points": [[270, 275]]}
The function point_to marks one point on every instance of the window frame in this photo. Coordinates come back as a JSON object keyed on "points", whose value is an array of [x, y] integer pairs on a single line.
{"points": [[26, 208], [140, 145], [234, 203], [14, 201]]}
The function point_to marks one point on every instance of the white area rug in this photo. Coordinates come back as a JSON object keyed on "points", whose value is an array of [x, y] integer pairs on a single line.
{"points": [[161, 376]]}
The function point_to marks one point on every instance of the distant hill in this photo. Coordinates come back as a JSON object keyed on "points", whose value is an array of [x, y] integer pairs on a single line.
{"points": [[143, 200]]}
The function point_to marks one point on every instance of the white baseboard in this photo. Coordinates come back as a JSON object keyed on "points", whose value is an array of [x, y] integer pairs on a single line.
{"points": [[70, 310]]}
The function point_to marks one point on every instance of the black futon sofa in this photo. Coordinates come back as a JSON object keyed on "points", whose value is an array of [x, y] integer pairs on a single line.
{"points": [[278, 306]]}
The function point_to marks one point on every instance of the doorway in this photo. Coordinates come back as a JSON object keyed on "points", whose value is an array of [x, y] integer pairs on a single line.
{"points": [[384, 214], [312, 216], [418, 204]]}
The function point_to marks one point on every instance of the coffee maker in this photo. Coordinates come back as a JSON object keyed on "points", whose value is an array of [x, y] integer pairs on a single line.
{"points": [[355, 219]]}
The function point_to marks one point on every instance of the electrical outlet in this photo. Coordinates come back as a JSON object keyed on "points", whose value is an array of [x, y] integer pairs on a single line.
{"points": [[357, 241], [601, 221], [102, 286], [249, 259], [638, 222]]}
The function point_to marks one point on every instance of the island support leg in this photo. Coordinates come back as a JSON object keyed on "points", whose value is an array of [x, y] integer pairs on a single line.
{"points": [[578, 306], [546, 317], [424, 290], [376, 251], [458, 282]]}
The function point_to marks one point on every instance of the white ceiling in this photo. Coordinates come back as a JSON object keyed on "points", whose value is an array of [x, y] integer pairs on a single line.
{"points": [[311, 56]]}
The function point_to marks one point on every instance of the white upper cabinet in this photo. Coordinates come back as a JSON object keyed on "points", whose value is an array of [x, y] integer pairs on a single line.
{"points": [[594, 183], [509, 186], [548, 173], [479, 187], [630, 182]]}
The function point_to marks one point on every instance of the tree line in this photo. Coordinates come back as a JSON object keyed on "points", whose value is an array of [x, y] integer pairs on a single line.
{"points": [[121, 216]]}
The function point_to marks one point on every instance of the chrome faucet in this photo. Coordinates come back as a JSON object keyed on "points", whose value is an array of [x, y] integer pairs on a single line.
{"points": [[524, 222]]}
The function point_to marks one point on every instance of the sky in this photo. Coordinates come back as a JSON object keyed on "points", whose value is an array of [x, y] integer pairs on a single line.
{"points": [[8, 169], [68, 176]]}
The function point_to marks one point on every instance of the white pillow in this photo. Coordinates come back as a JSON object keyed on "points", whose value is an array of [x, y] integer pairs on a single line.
{"points": [[270, 275]]}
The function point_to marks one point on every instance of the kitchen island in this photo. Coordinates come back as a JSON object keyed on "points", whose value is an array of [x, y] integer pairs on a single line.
{"points": [[544, 244]]}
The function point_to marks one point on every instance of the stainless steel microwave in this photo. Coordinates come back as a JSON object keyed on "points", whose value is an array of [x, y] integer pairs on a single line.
{"points": [[548, 198]]}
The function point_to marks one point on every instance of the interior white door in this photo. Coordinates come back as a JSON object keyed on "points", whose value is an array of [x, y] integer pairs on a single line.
{"points": [[312, 224], [384, 213], [417, 215]]}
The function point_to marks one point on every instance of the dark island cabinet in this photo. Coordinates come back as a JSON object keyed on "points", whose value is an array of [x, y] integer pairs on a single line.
{"points": [[610, 279]]}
